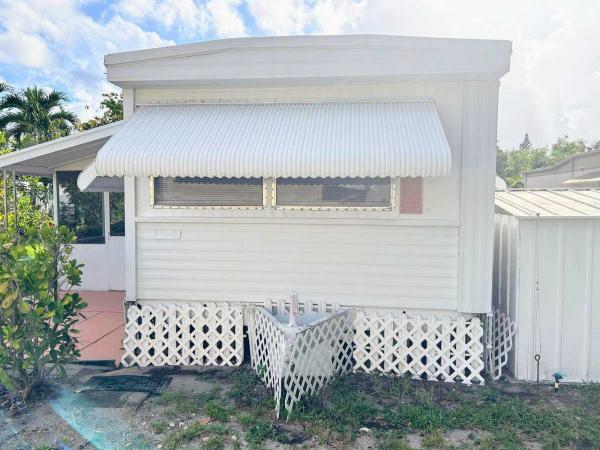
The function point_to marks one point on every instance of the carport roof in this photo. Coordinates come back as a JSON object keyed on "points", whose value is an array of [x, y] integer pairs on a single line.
{"points": [[43, 159]]}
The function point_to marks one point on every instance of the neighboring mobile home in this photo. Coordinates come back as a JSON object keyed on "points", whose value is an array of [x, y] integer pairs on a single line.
{"points": [[354, 170], [581, 170]]}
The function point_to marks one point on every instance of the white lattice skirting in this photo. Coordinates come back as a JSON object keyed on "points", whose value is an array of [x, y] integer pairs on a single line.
{"points": [[431, 348], [183, 334], [298, 364], [500, 339]]}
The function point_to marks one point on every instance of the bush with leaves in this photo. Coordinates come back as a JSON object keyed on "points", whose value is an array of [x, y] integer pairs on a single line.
{"points": [[38, 311]]}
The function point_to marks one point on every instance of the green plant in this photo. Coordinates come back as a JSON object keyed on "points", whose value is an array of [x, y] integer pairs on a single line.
{"points": [[434, 439], [216, 411], [159, 427], [214, 443], [194, 431], [38, 312], [180, 402]]}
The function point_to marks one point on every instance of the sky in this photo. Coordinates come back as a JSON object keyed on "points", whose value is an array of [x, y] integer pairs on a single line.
{"points": [[552, 90]]}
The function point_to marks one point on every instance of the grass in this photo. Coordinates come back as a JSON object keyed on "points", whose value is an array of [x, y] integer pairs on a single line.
{"points": [[217, 411], [185, 402], [214, 443], [216, 436], [498, 416], [409, 406], [434, 440], [159, 427]]}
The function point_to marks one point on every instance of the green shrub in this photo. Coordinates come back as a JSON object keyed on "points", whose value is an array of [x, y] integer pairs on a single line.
{"points": [[38, 313]]}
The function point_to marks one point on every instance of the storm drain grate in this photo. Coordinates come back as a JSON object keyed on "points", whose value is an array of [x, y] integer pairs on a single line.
{"points": [[131, 383]]}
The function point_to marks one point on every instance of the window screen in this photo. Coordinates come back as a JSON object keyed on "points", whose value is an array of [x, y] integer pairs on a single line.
{"points": [[117, 213], [334, 192], [81, 212], [196, 191]]}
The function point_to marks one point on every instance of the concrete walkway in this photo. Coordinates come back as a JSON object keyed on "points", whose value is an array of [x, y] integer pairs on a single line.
{"points": [[101, 329]]}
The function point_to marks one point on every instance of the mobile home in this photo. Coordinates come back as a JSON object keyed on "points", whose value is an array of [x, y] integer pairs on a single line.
{"points": [[357, 171]]}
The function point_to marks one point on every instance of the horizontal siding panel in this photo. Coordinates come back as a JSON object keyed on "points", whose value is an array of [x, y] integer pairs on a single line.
{"points": [[401, 266], [165, 265], [357, 249], [338, 259]]}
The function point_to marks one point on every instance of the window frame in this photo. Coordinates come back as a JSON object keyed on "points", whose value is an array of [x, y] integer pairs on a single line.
{"points": [[208, 207], [391, 207]]}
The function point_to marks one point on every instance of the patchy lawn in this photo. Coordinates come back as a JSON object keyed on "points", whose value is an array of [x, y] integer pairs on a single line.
{"points": [[225, 408]]}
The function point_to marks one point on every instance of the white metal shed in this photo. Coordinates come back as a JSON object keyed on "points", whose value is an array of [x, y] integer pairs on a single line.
{"points": [[547, 278]]}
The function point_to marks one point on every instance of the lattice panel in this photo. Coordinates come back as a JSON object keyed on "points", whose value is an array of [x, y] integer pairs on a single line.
{"points": [[176, 334], [267, 350], [316, 356], [298, 364], [501, 339], [432, 348]]}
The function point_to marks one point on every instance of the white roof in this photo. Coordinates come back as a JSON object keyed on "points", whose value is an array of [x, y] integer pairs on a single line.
{"points": [[42, 159], [549, 203], [310, 59], [338, 139], [89, 181]]}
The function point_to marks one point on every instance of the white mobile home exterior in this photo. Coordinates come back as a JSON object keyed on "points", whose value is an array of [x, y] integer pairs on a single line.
{"points": [[439, 261], [547, 278]]}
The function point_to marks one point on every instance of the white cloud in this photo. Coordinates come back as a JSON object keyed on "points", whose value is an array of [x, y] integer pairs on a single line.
{"points": [[288, 17], [551, 86], [225, 18], [190, 18], [281, 17], [20, 48], [66, 47], [337, 16], [185, 16]]}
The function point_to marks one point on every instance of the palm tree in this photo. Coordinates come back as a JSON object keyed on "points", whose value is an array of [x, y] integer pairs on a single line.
{"points": [[34, 114]]}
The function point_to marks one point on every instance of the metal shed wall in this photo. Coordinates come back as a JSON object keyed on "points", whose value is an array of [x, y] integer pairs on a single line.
{"points": [[547, 276]]}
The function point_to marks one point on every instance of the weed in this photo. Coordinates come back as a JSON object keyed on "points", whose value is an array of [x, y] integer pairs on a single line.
{"points": [[246, 420], [159, 427], [180, 402], [217, 411], [507, 440], [391, 440], [260, 431], [435, 440], [175, 440], [214, 443], [248, 391], [186, 402]]}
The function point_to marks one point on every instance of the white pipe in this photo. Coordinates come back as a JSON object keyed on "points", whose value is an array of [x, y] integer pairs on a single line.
{"points": [[293, 308]]}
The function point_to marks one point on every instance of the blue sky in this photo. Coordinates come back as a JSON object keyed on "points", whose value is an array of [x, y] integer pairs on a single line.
{"points": [[552, 90]]}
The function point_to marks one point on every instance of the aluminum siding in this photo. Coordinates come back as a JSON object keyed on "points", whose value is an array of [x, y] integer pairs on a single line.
{"points": [[334, 139]]}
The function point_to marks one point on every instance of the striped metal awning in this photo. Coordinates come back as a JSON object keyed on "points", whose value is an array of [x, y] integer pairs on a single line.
{"points": [[337, 139], [89, 181]]}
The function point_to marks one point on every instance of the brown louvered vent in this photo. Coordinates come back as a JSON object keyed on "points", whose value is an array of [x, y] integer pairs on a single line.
{"points": [[411, 195]]}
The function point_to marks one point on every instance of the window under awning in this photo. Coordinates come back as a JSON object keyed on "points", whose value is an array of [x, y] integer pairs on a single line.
{"points": [[333, 139]]}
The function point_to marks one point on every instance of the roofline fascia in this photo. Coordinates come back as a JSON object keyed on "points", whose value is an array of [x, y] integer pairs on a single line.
{"points": [[322, 41], [56, 145]]}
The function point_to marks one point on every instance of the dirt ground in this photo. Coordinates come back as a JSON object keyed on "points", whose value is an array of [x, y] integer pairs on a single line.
{"points": [[229, 408]]}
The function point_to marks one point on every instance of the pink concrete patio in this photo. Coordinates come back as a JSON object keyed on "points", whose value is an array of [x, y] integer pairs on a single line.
{"points": [[101, 329]]}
